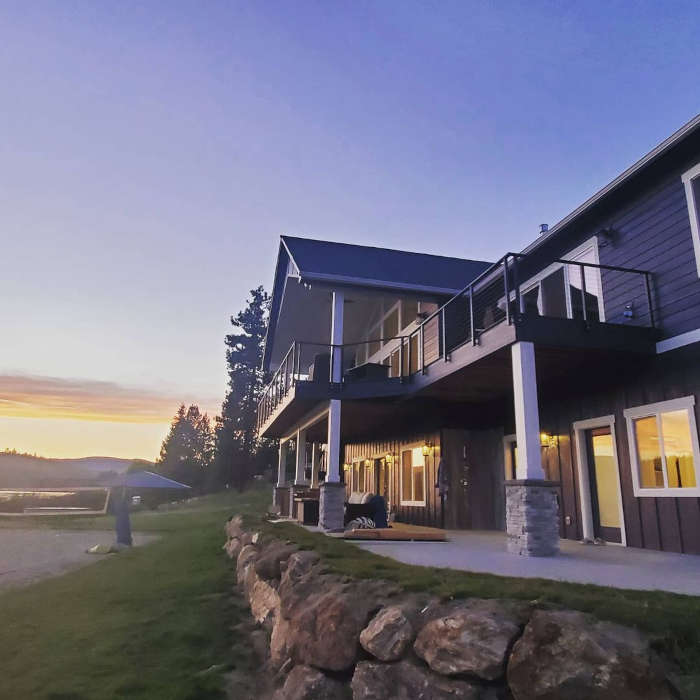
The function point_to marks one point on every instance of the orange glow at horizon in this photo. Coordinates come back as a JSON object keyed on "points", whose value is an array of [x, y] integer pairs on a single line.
{"points": [[55, 417]]}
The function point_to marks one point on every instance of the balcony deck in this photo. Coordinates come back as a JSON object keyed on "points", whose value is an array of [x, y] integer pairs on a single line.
{"points": [[471, 373]]}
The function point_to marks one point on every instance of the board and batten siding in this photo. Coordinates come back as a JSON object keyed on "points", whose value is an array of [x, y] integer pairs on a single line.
{"points": [[666, 523], [653, 233], [429, 514]]}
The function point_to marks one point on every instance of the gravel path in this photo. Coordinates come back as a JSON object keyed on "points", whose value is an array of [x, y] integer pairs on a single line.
{"points": [[30, 555]]}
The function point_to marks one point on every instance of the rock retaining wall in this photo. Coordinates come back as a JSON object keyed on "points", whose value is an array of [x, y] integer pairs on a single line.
{"points": [[335, 638]]}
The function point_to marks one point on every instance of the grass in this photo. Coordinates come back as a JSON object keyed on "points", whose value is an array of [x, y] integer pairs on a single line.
{"points": [[153, 623], [150, 623]]}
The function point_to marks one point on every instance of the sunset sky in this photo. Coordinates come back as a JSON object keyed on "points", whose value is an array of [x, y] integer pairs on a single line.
{"points": [[153, 152]]}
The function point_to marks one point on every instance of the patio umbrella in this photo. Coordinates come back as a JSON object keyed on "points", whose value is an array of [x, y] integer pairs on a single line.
{"points": [[135, 480]]}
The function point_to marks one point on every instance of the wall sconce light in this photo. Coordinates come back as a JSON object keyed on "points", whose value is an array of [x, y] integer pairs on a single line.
{"points": [[629, 310], [547, 440], [427, 448], [389, 458]]}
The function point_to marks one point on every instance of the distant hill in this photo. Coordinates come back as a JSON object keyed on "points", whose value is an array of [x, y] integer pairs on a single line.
{"points": [[26, 471]]}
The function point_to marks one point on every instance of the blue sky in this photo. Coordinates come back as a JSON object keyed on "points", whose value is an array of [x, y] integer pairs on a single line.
{"points": [[153, 152]]}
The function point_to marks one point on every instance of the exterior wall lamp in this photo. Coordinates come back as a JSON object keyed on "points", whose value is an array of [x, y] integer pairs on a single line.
{"points": [[427, 448]]}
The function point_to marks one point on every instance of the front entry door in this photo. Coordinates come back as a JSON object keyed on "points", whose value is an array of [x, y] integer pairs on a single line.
{"points": [[605, 498]]}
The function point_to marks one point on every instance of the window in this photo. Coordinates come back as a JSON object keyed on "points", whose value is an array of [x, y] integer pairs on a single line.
{"points": [[510, 457], [691, 181], [557, 291], [663, 440], [412, 477]]}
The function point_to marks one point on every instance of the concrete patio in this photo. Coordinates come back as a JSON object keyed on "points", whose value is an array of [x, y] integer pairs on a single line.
{"points": [[604, 565]]}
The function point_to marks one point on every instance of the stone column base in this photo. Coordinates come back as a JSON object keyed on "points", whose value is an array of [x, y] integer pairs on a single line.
{"points": [[331, 507], [532, 517], [280, 500]]}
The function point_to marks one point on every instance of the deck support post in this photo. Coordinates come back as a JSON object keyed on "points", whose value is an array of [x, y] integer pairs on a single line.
{"points": [[532, 518], [332, 496], [337, 306], [279, 493], [315, 464], [299, 476]]}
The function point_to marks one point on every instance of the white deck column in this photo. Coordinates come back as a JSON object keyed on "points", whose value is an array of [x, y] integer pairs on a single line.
{"points": [[299, 478], [282, 464], [337, 304], [315, 464], [333, 455], [527, 417]]}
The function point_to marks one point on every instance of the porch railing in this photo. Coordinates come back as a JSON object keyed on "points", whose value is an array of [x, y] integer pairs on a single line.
{"points": [[507, 292]]}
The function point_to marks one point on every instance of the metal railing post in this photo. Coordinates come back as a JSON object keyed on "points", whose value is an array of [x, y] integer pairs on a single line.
{"points": [[471, 313], [422, 347], [583, 292], [443, 334], [647, 284], [505, 288], [401, 358], [516, 287], [408, 363]]}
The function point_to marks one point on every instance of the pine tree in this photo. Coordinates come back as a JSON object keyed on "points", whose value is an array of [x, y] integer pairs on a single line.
{"points": [[187, 451], [238, 450]]}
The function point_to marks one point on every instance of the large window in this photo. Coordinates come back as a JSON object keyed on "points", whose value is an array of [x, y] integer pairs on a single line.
{"points": [[412, 477], [663, 440], [691, 181], [561, 290]]}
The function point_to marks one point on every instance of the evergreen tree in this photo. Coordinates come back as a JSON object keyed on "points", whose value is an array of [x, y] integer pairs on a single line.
{"points": [[187, 451], [238, 451]]}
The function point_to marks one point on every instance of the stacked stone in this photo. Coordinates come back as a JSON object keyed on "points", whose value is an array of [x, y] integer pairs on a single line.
{"points": [[331, 507], [532, 521], [332, 638]]}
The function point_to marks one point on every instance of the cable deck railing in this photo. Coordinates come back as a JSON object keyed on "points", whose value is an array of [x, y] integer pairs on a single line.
{"points": [[565, 289]]}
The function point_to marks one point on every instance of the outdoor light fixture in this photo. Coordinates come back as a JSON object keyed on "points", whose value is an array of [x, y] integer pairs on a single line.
{"points": [[389, 458], [427, 448], [629, 310], [547, 440]]}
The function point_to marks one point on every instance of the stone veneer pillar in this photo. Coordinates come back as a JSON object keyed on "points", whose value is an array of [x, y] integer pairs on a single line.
{"points": [[532, 517], [331, 506]]}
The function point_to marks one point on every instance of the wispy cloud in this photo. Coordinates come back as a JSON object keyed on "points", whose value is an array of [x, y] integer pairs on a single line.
{"points": [[33, 396]]}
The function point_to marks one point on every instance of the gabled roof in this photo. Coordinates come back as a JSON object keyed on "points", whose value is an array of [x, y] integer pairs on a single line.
{"points": [[346, 263]]}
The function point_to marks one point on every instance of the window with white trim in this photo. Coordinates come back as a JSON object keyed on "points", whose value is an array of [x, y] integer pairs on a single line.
{"points": [[691, 182], [412, 477], [663, 440]]}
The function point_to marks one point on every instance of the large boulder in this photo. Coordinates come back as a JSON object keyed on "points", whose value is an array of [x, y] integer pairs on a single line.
{"points": [[388, 635], [306, 683], [268, 564], [262, 597], [326, 616], [234, 526], [248, 554], [404, 680], [473, 638], [568, 654], [233, 547], [280, 642]]}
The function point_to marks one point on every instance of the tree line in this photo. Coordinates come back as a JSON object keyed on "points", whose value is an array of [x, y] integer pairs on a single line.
{"points": [[226, 452]]}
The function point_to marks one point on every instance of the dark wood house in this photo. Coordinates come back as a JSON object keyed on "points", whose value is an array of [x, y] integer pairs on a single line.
{"points": [[554, 389]]}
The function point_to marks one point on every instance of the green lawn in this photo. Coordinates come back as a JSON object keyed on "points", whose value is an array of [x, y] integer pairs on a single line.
{"points": [[149, 623]]}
